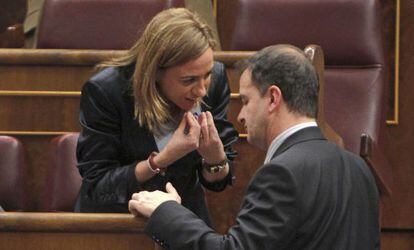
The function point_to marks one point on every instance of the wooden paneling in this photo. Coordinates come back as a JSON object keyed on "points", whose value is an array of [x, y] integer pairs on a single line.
{"points": [[395, 239], [398, 210], [70, 241], [39, 113], [224, 206], [45, 77]]}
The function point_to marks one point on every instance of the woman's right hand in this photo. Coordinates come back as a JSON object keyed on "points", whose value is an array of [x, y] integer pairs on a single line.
{"points": [[184, 140]]}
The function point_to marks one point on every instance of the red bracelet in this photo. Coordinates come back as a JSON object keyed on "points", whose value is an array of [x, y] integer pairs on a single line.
{"points": [[153, 166]]}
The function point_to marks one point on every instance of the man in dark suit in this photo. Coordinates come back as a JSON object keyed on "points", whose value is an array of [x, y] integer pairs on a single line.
{"points": [[309, 194]]}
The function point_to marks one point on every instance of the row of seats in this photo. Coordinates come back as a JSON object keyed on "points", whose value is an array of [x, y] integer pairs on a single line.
{"points": [[350, 33], [62, 182], [242, 24]]}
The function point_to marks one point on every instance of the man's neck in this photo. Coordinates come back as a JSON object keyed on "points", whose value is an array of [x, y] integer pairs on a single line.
{"points": [[283, 124], [279, 140]]}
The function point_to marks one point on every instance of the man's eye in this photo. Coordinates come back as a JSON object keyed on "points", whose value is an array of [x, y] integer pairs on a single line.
{"points": [[188, 81]]}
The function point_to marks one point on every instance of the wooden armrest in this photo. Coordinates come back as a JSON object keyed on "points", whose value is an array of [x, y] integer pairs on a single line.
{"points": [[379, 165], [316, 55]]}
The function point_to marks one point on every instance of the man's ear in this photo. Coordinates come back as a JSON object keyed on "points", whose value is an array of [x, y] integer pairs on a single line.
{"points": [[275, 98]]}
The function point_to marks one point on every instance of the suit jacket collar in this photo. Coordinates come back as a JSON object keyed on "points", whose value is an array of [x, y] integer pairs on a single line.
{"points": [[303, 135]]}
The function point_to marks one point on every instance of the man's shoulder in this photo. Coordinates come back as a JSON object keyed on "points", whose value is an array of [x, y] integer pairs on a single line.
{"points": [[314, 155]]}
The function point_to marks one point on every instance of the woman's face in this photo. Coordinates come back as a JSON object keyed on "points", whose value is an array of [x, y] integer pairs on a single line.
{"points": [[185, 84]]}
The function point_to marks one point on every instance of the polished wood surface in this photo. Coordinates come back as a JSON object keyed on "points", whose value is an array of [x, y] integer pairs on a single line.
{"points": [[24, 230], [224, 206], [71, 222], [397, 240], [398, 210]]}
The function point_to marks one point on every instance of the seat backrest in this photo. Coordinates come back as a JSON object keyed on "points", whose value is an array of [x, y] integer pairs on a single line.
{"points": [[12, 174], [350, 33], [96, 24], [63, 180]]}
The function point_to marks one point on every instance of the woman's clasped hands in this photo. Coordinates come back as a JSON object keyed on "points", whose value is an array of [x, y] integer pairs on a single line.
{"points": [[194, 133]]}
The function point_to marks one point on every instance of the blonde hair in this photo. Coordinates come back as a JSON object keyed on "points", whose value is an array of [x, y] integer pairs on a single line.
{"points": [[173, 37]]}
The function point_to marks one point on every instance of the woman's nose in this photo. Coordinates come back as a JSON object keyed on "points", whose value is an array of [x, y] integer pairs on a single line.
{"points": [[200, 89]]}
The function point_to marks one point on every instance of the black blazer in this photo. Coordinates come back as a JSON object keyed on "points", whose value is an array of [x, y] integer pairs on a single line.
{"points": [[111, 143], [312, 195]]}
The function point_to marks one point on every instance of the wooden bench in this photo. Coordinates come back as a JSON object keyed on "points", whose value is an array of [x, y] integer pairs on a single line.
{"points": [[67, 231]]}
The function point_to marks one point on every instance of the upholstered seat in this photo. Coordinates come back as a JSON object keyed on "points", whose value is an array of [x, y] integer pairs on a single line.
{"points": [[350, 35], [96, 24], [63, 180], [12, 174]]}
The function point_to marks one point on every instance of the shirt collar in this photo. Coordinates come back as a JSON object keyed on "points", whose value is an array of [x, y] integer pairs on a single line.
{"points": [[283, 136]]}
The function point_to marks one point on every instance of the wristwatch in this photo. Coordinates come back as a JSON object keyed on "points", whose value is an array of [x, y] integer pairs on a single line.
{"points": [[214, 168]]}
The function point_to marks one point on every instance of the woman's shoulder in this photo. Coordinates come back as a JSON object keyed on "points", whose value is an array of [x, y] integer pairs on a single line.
{"points": [[110, 80], [219, 79], [108, 76]]}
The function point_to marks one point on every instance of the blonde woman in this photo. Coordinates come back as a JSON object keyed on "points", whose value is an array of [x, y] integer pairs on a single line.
{"points": [[157, 115]]}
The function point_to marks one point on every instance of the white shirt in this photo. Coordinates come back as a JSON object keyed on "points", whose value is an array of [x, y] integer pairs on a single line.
{"points": [[283, 136]]}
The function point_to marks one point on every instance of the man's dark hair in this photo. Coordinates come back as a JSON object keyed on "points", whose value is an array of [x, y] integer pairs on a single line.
{"points": [[288, 68]]}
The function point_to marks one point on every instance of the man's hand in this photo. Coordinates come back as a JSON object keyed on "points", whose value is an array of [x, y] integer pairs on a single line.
{"points": [[146, 202]]}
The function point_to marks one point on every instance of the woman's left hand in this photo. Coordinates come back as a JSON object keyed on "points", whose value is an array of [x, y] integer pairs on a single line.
{"points": [[210, 146]]}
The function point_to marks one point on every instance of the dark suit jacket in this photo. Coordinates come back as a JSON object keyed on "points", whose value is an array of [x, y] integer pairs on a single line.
{"points": [[312, 195], [111, 143]]}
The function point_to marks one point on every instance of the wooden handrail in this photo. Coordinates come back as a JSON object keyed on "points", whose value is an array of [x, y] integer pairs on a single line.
{"points": [[71, 222], [87, 57]]}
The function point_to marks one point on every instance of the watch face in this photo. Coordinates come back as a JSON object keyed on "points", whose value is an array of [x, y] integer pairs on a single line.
{"points": [[214, 168]]}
